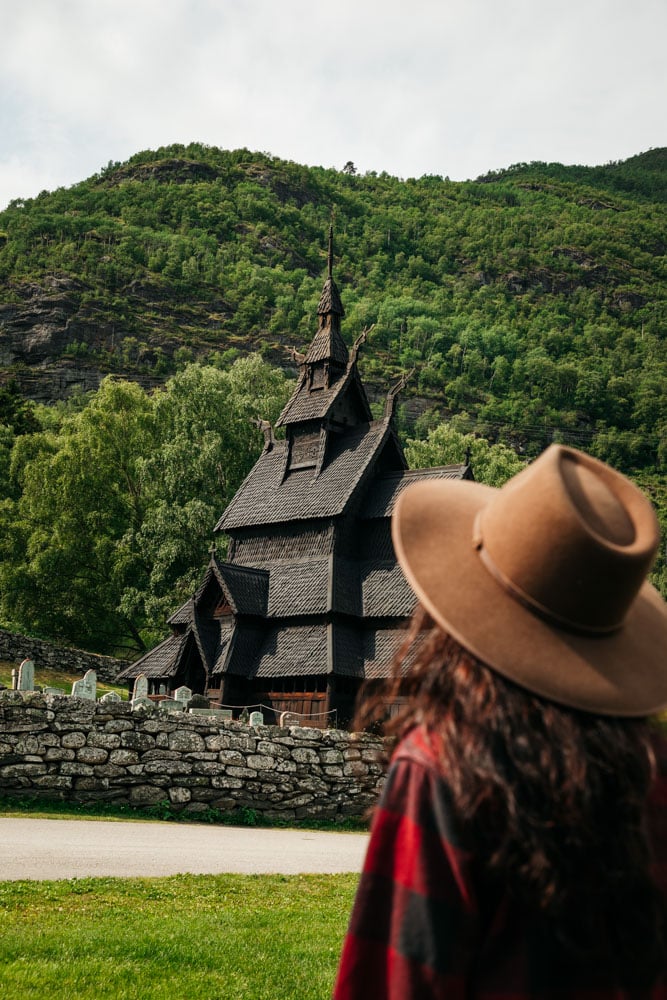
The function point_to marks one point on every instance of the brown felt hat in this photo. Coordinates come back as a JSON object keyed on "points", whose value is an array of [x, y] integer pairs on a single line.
{"points": [[544, 579]]}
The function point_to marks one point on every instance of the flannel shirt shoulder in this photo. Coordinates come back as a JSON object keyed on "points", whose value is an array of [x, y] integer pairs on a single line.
{"points": [[428, 923], [415, 915]]}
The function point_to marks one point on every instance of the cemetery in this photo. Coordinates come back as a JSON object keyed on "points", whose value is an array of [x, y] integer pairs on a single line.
{"points": [[143, 753]]}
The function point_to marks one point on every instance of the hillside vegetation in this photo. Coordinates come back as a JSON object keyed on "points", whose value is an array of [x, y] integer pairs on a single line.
{"points": [[530, 304]]}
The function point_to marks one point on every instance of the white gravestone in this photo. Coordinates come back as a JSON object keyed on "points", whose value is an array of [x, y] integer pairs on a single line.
{"points": [[111, 696], [140, 689], [182, 694], [142, 705], [171, 705], [26, 681], [256, 719], [288, 719], [86, 687]]}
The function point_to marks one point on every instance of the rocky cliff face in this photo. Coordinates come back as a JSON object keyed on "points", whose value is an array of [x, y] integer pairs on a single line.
{"points": [[57, 336], [42, 320]]}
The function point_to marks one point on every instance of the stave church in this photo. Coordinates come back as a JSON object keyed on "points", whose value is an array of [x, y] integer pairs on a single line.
{"points": [[310, 602]]}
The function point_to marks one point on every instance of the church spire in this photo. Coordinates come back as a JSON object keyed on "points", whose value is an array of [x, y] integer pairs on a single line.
{"points": [[328, 344], [330, 254]]}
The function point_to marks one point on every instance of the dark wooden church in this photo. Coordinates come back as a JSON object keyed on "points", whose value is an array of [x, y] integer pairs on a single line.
{"points": [[310, 602]]}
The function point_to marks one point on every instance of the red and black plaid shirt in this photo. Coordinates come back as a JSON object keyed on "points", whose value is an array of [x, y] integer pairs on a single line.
{"points": [[419, 927]]}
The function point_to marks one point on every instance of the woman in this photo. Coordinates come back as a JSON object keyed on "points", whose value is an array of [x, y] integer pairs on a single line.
{"points": [[516, 848]]}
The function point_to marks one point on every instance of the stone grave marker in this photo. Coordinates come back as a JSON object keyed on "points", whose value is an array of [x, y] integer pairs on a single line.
{"points": [[86, 687], [182, 694], [212, 713], [256, 719], [52, 690], [288, 719], [111, 696], [26, 681], [142, 704], [140, 689], [171, 705]]}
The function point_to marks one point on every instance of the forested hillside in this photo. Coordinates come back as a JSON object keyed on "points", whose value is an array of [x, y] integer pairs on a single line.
{"points": [[530, 304]]}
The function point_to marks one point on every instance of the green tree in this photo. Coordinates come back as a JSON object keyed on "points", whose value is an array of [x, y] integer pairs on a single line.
{"points": [[492, 464], [114, 505], [64, 565], [207, 444]]}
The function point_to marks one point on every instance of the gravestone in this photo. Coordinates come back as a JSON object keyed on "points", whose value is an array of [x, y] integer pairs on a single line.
{"points": [[256, 719], [142, 705], [111, 696], [212, 713], [288, 719], [140, 689], [26, 681], [182, 694], [52, 690], [171, 705], [86, 687]]}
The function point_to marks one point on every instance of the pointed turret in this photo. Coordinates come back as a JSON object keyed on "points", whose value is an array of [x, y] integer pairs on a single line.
{"points": [[328, 346], [327, 370]]}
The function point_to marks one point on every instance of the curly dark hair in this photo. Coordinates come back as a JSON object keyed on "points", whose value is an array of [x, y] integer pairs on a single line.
{"points": [[553, 798]]}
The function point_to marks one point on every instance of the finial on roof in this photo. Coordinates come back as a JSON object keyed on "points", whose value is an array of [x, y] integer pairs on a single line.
{"points": [[392, 395], [296, 357], [468, 455], [267, 430], [330, 254], [358, 344], [212, 549]]}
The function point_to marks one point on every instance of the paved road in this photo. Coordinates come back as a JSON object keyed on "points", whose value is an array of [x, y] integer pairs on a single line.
{"points": [[61, 848]]}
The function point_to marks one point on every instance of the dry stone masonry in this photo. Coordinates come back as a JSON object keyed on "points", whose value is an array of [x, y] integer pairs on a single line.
{"points": [[49, 656], [81, 750]]}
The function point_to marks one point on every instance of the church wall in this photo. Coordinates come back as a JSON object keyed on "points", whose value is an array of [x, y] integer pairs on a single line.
{"points": [[83, 751], [347, 411], [374, 540], [259, 549]]}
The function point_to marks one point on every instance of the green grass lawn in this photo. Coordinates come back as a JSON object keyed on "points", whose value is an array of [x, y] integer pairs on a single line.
{"points": [[56, 678], [200, 937]]}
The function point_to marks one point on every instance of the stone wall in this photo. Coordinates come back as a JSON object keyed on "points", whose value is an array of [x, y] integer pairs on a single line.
{"points": [[48, 656], [85, 751]]}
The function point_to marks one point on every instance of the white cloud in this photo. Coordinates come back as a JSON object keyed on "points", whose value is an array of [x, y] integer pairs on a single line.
{"points": [[430, 86]]}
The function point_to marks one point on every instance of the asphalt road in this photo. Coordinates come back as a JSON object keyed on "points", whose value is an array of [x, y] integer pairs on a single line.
{"points": [[61, 848]]}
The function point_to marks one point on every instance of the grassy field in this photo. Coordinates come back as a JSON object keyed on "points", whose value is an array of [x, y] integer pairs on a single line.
{"points": [[224, 937], [56, 678]]}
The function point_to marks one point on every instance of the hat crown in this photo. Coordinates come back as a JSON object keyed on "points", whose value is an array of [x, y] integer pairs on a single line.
{"points": [[598, 507], [571, 538]]}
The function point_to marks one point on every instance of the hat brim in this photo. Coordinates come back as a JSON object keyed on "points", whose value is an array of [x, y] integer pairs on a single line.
{"points": [[621, 673]]}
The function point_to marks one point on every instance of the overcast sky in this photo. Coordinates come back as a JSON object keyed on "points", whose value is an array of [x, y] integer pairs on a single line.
{"points": [[410, 87]]}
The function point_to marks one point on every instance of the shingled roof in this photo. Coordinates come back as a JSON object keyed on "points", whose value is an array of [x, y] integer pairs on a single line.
{"points": [[328, 343], [299, 588], [316, 404], [267, 498], [385, 591], [386, 490], [295, 651], [245, 648], [163, 661], [247, 588]]}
